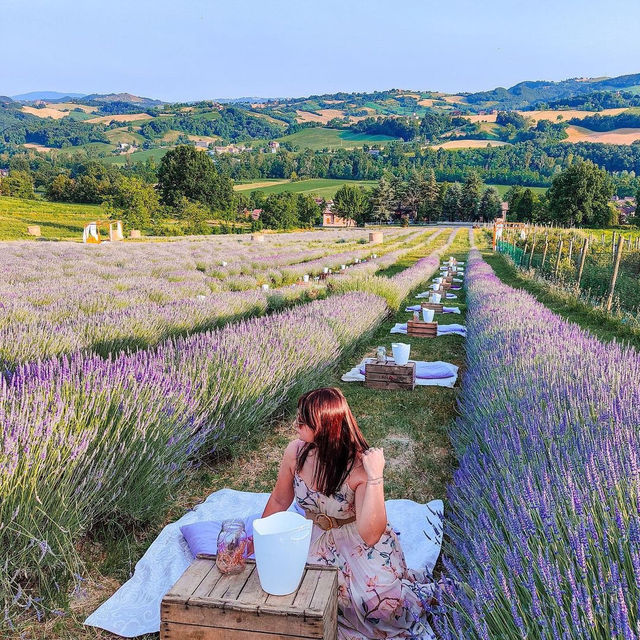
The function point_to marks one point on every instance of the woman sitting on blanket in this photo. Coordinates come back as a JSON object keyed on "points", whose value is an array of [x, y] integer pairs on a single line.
{"points": [[336, 478]]}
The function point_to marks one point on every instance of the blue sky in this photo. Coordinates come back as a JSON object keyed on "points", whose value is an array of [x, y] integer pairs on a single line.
{"points": [[192, 49]]}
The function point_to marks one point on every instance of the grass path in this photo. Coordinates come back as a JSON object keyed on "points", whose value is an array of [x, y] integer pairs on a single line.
{"points": [[411, 426]]}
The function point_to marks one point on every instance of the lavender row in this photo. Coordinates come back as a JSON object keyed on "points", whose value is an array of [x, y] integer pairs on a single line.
{"points": [[86, 439], [544, 521], [75, 320]]}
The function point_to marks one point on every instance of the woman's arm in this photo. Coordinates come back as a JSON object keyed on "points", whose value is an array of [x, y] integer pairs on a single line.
{"points": [[371, 514], [282, 495]]}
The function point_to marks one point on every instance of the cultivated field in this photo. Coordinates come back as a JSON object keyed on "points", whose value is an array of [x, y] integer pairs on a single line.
{"points": [[469, 144], [616, 136], [553, 115], [124, 117], [320, 187], [320, 138]]}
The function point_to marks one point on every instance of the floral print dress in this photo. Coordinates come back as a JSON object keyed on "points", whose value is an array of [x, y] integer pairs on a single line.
{"points": [[378, 596]]}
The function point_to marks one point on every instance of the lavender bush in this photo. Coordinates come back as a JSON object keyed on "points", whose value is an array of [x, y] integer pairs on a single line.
{"points": [[544, 520], [85, 438]]}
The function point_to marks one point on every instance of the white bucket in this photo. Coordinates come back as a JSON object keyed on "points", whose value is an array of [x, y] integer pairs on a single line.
{"points": [[265, 287], [400, 352], [438, 280], [325, 270], [427, 315], [281, 543], [343, 267], [435, 298], [305, 278], [224, 264], [435, 286]]}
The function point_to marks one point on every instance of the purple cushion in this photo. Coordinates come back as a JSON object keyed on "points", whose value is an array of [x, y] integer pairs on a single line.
{"points": [[202, 537], [433, 371]]}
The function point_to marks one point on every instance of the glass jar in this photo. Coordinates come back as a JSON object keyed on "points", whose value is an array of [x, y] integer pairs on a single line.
{"points": [[232, 544], [381, 354]]}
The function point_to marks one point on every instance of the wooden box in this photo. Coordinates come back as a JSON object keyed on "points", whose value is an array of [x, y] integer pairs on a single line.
{"points": [[438, 307], [446, 286], [389, 375], [420, 329], [34, 230], [207, 605]]}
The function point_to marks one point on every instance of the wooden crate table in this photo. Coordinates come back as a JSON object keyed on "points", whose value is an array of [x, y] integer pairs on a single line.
{"points": [[420, 329], [389, 375], [438, 307], [446, 285], [207, 605]]}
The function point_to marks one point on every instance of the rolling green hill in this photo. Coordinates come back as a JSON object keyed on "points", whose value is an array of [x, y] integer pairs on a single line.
{"points": [[320, 138]]}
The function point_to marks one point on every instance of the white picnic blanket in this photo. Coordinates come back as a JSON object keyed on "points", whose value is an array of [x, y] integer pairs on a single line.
{"points": [[426, 294], [417, 307], [354, 374], [135, 608], [443, 329]]}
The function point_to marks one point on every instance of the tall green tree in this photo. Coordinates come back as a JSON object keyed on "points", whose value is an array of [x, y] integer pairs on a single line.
{"points": [[382, 200], [309, 211], [189, 173], [580, 195], [431, 206], [470, 198], [135, 202], [452, 203], [18, 184], [414, 193], [351, 202], [490, 205]]}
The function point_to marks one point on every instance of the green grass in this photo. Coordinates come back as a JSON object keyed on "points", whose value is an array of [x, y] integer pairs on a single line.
{"points": [[56, 220], [139, 156], [503, 188], [320, 187], [318, 138]]}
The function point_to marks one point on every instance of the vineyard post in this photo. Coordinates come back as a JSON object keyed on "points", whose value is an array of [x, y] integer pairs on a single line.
{"points": [[533, 246], [544, 253], [571, 248], [555, 273], [583, 257], [524, 253], [613, 245], [614, 274]]}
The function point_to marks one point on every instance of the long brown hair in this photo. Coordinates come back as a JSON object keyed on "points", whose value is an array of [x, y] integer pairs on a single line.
{"points": [[337, 437]]}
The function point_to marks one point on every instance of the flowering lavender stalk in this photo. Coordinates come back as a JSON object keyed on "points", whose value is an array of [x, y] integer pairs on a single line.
{"points": [[544, 518]]}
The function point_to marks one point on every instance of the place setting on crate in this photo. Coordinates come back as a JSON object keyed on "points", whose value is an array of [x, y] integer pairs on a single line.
{"points": [[399, 372], [422, 327], [226, 596]]}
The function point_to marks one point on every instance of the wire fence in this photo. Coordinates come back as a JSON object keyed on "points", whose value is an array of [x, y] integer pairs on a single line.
{"points": [[603, 268]]}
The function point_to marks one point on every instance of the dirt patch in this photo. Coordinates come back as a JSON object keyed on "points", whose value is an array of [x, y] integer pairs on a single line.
{"points": [[426, 102], [398, 451], [454, 99]]}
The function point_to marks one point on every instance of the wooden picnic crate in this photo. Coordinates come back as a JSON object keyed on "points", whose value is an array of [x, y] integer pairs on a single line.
{"points": [[207, 605], [446, 285], [420, 329], [438, 307], [389, 375]]}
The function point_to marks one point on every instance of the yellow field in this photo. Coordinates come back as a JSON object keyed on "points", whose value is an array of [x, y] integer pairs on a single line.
{"points": [[548, 114], [617, 136], [469, 144], [45, 112], [37, 147], [124, 117]]}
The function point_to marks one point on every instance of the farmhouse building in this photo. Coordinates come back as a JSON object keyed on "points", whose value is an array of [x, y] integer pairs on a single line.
{"points": [[254, 214], [331, 219], [274, 146]]}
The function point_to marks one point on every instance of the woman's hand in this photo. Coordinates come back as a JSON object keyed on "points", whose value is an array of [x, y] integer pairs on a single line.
{"points": [[373, 462]]}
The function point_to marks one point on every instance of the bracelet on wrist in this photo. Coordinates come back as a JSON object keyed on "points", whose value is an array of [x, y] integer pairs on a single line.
{"points": [[377, 480]]}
